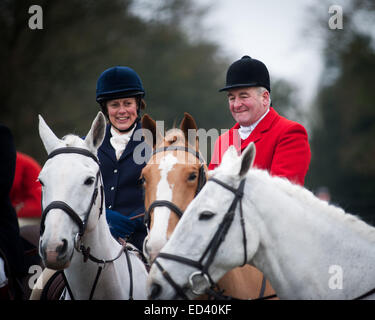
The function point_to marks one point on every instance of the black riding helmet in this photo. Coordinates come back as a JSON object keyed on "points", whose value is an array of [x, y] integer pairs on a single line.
{"points": [[120, 82], [247, 72]]}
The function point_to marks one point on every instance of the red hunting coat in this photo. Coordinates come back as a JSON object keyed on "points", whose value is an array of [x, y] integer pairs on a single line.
{"points": [[26, 191], [282, 147]]}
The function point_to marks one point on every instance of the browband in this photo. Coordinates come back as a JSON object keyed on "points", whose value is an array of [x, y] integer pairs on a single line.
{"points": [[81, 151]]}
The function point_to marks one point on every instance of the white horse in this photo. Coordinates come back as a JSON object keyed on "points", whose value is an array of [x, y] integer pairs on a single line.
{"points": [[307, 248], [75, 234]]}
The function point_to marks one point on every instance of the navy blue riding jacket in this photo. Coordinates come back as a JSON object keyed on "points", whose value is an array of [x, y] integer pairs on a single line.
{"points": [[123, 191]]}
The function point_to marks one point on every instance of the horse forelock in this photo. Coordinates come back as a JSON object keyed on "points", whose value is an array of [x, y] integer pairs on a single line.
{"points": [[72, 140], [174, 136]]}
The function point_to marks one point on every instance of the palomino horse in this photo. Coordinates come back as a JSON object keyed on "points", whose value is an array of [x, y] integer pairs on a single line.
{"points": [[75, 235], [306, 247], [173, 176]]}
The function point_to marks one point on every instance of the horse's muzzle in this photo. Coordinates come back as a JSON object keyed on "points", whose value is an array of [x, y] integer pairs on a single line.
{"points": [[55, 255]]}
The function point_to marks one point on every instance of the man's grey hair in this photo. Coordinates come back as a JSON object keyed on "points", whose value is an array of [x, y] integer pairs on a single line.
{"points": [[261, 90]]}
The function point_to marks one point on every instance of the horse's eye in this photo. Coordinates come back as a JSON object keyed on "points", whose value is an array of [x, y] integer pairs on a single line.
{"points": [[206, 215], [192, 176], [41, 182], [89, 181]]}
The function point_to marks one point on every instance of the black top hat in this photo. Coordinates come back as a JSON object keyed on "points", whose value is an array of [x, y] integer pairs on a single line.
{"points": [[247, 72]]}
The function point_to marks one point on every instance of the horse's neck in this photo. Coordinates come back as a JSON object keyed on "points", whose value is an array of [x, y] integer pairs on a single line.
{"points": [[100, 240], [297, 242]]}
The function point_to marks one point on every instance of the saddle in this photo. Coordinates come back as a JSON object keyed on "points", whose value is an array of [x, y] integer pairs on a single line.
{"points": [[54, 287]]}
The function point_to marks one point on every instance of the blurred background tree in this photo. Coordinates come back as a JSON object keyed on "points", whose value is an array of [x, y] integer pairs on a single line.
{"points": [[53, 71], [343, 135]]}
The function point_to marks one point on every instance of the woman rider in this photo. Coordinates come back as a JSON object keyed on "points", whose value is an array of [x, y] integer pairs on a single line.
{"points": [[120, 93]]}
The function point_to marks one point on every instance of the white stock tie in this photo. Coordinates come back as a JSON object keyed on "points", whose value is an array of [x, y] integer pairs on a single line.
{"points": [[120, 141]]}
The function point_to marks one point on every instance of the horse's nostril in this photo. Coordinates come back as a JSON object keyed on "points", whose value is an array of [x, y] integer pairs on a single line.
{"points": [[62, 248], [155, 291]]}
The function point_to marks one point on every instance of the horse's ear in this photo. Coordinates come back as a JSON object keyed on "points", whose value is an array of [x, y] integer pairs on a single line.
{"points": [[247, 159], [230, 161], [189, 128], [96, 134], [150, 131], [49, 139]]}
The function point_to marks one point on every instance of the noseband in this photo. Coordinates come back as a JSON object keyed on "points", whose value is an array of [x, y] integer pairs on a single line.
{"points": [[82, 224], [169, 204], [212, 247]]}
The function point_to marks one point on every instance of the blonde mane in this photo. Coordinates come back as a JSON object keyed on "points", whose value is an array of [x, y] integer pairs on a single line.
{"points": [[72, 140], [174, 136]]}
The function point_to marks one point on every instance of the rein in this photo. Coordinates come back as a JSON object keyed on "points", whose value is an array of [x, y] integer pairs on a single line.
{"points": [[101, 265], [211, 249], [82, 224]]}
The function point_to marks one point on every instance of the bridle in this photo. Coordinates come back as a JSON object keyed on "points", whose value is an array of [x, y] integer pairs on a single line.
{"points": [[82, 224], [169, 204], [212, 248]]}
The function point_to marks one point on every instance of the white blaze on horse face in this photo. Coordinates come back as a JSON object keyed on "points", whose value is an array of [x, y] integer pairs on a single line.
{"points": [[158, 234]]}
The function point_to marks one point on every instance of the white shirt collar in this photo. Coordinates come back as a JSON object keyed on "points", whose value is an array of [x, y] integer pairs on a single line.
{"points": [[119, 141], [244, 132]]}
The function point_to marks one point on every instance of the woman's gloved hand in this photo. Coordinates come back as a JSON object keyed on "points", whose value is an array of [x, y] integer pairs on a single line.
{"points": [[120, 225]]}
